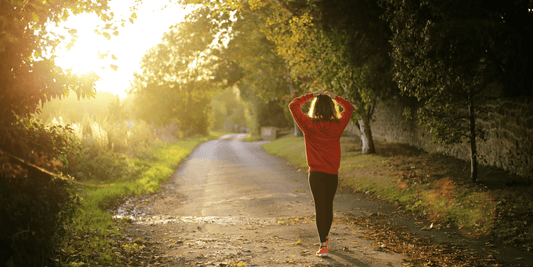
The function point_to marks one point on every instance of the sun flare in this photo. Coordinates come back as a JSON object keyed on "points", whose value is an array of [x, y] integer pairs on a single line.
{"points": [[81, 59], [125, 51], [83, 56]]}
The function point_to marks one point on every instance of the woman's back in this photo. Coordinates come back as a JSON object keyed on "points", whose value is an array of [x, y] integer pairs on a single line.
{"points": [[322, 137]]}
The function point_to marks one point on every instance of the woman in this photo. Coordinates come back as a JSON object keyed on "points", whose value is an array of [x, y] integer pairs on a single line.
{"points": [[322, 130]]}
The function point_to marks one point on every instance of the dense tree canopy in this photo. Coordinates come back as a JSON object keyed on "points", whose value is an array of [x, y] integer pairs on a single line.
{"points": [[353, 51], [446, 54], [258, 72], [176, 78]]}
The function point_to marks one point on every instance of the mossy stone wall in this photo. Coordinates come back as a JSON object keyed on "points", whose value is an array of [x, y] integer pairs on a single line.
{"points": [[508, 132]]}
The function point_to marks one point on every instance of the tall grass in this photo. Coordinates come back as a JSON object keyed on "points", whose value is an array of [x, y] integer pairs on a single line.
{"points": [[114, 156]]}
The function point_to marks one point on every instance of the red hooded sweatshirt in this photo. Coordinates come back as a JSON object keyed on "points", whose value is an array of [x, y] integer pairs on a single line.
{"points": [[322, 138]]}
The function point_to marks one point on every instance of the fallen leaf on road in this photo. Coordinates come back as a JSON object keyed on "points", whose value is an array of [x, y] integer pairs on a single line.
{"points": [[299, 242]]}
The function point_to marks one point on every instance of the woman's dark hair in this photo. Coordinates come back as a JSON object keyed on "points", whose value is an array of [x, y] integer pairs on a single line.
{"points": [[324, 109]]}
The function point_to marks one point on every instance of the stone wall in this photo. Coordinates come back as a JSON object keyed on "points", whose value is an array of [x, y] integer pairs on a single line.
{"points": [[509, 138], [508, 126]]}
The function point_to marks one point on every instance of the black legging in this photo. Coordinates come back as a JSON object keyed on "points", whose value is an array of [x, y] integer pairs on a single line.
{"points": [[323, 187]]}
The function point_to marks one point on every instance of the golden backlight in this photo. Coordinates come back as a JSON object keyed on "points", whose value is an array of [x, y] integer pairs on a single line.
{"points": [[124, 52]]}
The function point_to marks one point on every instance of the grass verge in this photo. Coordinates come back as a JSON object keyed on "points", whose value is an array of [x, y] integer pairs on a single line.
{"points": [[435, 186], [253, 138], [92, 234]]}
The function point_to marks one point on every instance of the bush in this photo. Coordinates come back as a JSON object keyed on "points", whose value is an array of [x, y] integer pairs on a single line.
{"points": [[103, 148], [33, 207], [34, 202], [94, 162]]}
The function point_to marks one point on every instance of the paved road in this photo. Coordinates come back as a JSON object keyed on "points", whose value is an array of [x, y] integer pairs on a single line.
{"points": [[231, 202], [230, 177]]}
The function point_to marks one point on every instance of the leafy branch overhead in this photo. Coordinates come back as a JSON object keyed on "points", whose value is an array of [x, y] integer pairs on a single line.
{"points": [[28, 71]]}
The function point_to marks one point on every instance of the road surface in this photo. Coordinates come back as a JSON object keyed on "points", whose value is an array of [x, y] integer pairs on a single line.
{"points": [[232, 203]]}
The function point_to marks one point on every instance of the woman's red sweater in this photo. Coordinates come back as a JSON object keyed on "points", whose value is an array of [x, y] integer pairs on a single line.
{"points": [[322, 138]]}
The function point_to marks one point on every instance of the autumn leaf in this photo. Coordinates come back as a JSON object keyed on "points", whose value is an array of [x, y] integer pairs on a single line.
{"points": [[299, 242]]}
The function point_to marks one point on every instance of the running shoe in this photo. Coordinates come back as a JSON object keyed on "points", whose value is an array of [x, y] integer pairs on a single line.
{"points": [[322, 252]]}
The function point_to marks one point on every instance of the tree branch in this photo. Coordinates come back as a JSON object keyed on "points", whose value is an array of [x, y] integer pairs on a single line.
{"points": [[286, 8], [50, 173], [501, 66]]}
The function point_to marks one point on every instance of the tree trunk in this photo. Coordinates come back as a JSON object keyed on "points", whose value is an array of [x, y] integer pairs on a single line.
{"points": [[366, 137], [297, 131], [473, 147], [363, 124]]}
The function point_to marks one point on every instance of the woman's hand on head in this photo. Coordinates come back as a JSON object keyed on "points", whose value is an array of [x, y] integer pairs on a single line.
{"points": [[332, 95], [319, 92]]}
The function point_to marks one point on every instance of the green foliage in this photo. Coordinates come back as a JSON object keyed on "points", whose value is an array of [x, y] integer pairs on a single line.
{"points": [[101, 148], [95, 163], [341, 46], [34, 207], [73, 110], [34, 202], [35, 142], [174, 82], [263, 72], [109, 159], [353, 50], [441, 60], [227, 109], [254, 106], [446, 53], [28, 73], [273, 114]]}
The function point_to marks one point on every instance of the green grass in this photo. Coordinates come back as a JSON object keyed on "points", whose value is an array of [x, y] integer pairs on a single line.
{"points": [[441, 200], [290, 148], [253, 138], [93, 224]]}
